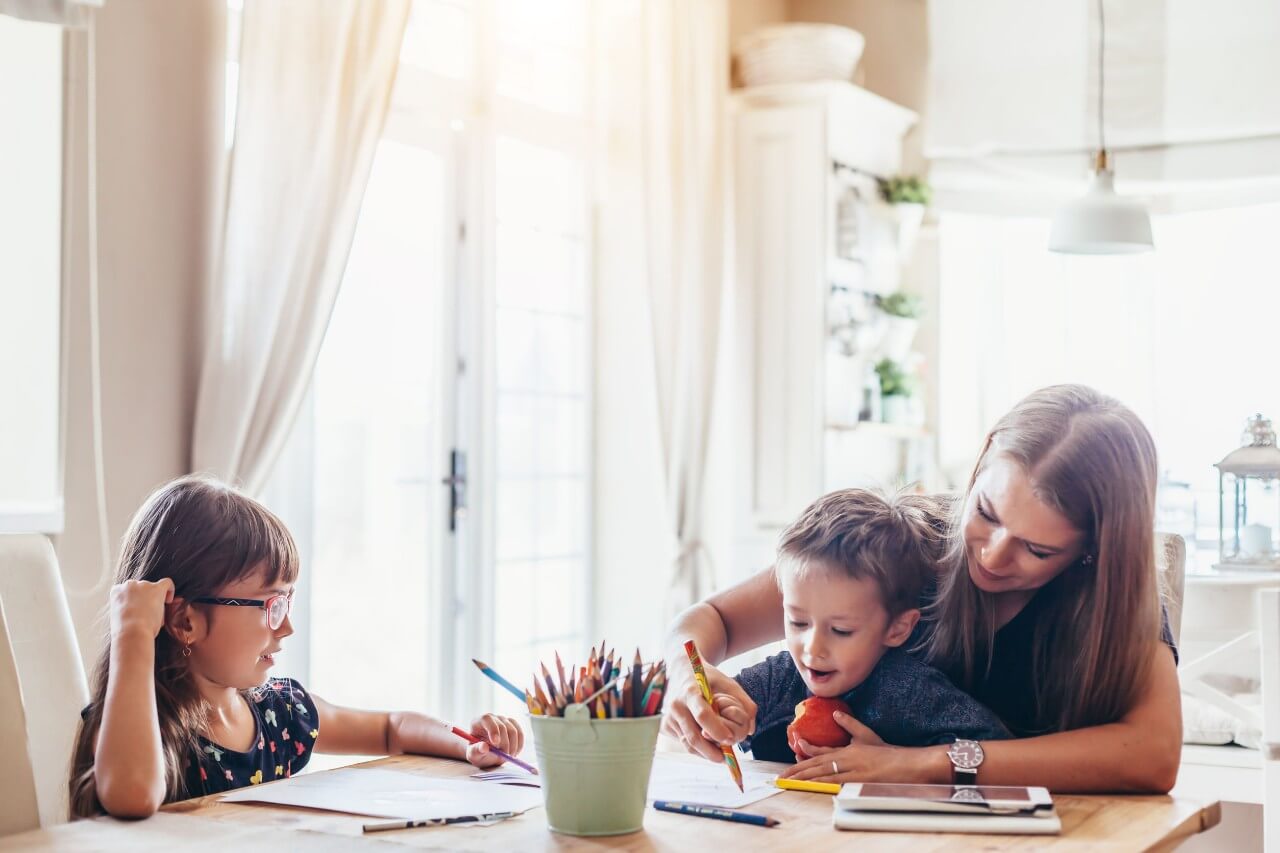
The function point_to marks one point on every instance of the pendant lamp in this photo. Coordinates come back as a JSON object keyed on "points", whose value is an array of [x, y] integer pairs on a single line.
{"points": [[1101, 222]]}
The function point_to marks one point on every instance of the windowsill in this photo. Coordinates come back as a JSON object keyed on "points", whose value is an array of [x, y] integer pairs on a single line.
{"points": [[45, 518]]}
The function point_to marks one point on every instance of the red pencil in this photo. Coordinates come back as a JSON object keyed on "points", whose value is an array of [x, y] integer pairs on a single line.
{"points": [[470, 738]]}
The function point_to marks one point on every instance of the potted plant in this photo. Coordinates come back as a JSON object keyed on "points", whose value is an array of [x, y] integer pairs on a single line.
{"points": [[896, 387], [902, 320], [909, 195]]}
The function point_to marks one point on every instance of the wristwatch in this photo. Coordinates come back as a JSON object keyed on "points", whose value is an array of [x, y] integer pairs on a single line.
{"points": [[966, 757]]}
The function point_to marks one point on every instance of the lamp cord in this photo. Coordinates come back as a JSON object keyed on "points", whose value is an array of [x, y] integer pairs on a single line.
{"points": [[1102, 75]]}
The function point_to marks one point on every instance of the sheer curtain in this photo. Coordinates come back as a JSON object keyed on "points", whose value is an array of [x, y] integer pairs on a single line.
{"points": [[315, 82], [665, 88]]}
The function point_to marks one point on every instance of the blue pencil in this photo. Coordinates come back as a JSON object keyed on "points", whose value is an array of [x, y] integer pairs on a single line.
{"points": [[698, 810], [499, 680]]}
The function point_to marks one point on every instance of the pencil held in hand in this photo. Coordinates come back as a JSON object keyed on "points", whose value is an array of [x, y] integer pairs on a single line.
{"points": [[470, 738], [695, 661]]}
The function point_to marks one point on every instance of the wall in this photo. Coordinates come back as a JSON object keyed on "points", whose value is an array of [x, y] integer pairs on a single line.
{"points": [[895, 63], [159, 78]]}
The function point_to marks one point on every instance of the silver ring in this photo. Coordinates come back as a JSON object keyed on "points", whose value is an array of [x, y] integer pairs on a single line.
{"points": [[835, 769]]}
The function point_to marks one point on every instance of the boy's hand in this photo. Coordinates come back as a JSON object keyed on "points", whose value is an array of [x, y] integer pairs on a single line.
{"points": [[139, 606], [698, 725], [732, 711], [861, 735], [502, 732]]}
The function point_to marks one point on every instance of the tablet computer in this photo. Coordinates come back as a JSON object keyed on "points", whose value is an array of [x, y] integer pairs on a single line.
{"points": [[980, 799]]}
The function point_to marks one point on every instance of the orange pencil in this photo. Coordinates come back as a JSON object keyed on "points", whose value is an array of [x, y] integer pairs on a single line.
{"points": [[695, 660], [547, 705]]}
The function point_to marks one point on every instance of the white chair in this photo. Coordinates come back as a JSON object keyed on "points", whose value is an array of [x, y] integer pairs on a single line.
{"points": [[18, 809], [1171, 563], [42, 684]]}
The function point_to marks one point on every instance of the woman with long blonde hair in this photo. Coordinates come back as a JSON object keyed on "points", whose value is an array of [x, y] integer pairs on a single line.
{"points": [[1046, 609]]}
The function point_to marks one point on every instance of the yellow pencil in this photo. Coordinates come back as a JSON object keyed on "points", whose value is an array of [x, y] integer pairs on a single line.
{"points": [[695, 660], [802, 785]]}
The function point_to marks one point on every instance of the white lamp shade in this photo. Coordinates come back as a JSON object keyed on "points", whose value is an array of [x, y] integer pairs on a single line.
{"points": [[1101, 222]]}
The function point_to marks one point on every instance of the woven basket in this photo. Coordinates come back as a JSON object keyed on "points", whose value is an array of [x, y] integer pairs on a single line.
{"points": [[798, 53]]}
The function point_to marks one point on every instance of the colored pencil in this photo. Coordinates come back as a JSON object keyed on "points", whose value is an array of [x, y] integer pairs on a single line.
{"points": [[699, 675], [560, 670], [498, 679], [636, 705], [805, 785], [470, 738], [603, 685], [652, 696], [698, 810], [385, 826], [547, 704]]}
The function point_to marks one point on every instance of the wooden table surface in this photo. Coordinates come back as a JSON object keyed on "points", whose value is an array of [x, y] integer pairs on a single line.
{"points": [[1092, 822]]}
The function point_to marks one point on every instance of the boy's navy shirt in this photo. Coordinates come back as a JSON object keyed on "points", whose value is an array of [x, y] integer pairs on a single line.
{"points": [[904, 701]]}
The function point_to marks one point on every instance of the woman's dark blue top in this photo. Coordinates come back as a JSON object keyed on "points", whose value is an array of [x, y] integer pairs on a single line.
{"points": [[1007, 687]]}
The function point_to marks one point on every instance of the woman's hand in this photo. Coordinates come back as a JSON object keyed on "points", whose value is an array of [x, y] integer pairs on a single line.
{"points": [[879, 763], [503, 732], [699, 727], [138, 606], [860, 733]]}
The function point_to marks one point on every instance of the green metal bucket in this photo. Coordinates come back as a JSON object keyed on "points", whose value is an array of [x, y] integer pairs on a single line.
{"points": [[595, 773]]}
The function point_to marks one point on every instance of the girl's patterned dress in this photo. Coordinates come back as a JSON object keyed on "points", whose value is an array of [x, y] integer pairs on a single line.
{"points": [[287, 731]]}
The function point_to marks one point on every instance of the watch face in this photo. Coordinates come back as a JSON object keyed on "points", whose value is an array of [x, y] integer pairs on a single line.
{"points": [[966, 754]]}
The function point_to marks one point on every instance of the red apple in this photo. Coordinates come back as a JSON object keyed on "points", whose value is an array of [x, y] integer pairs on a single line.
{"points": [[816, 725]]}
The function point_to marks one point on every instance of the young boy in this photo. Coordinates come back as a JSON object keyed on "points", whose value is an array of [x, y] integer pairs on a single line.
{"points": [[852, 569]]}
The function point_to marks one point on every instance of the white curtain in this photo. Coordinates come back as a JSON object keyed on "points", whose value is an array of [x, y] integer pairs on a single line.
{"points": [[665, 79], [315, 82], [1191, 108]]}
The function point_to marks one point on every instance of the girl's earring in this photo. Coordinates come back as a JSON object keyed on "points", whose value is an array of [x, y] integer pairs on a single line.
{"points": [[186, 650], [1087, 560]]}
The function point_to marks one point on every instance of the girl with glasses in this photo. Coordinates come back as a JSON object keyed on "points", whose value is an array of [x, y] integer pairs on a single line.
{"points": [[182, 701]]}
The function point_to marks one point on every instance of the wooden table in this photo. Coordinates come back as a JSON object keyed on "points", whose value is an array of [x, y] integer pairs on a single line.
{"points": [[1093, 823]]}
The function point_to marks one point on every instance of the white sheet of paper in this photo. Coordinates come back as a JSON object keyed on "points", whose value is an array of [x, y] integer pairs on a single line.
{"points": [[391, 794], [697, 781], [679, 778]]}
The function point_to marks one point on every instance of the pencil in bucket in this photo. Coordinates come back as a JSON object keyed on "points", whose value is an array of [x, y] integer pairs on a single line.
{"points": [[595, 733]]}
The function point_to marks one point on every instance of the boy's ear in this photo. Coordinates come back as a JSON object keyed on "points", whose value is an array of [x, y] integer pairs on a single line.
{"points": [[901, 626], [184, 623]]}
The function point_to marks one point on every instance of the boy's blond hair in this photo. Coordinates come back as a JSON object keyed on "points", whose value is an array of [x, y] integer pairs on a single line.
{"points": [[893, 540]]}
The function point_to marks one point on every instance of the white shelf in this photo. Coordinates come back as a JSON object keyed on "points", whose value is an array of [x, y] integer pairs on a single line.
{"points": [[881, 430]]}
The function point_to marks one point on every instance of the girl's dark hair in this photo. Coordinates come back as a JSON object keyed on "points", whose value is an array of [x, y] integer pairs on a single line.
{"points": [[204, 535]]}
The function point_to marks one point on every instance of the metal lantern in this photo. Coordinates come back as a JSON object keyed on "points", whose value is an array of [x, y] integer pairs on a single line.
{"points": [[1249, 502]]}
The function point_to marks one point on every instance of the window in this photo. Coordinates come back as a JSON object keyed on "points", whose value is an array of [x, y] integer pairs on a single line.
{"points": [[1184, 336], [31, 81], [462, 324]]}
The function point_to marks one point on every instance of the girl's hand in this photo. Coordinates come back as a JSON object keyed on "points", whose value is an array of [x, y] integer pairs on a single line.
{"points": [[861, 735], [698, 726], [502, 732], [138, 606], [863, 763]]}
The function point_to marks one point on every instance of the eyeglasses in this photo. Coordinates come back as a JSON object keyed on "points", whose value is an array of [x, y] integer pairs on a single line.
{"points": [[277, 606]]}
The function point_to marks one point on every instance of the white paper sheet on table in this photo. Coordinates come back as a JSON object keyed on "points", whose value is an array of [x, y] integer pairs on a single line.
{"points": [[391, 794], [679, 778]]}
